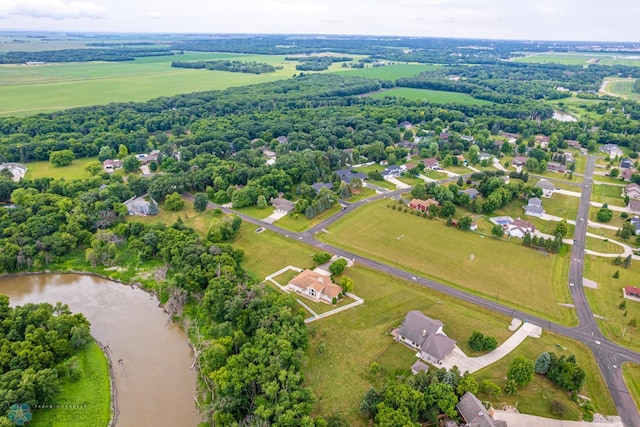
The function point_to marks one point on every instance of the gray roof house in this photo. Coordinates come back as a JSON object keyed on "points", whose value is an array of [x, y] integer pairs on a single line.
{"points": [[626, 163], [282, 205], [320, 185], [348, 175], [392, 171], [546, 186], [425, 335], [18, 170], [472, 192], [534, 207], [140, 206], [475, 414], [635, 221]]}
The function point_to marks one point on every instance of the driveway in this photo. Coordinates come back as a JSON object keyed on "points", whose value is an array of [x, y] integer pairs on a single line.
{"points": [[399, 184], [514, 419], [274, 217], [472, 364]]}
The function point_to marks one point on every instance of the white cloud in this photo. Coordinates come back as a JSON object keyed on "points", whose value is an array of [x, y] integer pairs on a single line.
{"points": [[55, 9], [153, 15]]}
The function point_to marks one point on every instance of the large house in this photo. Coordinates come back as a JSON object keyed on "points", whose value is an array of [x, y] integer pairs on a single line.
{"points": [[519, 228], [316, 286], [431, 163], [422, 205], [546, 186], [633, 191], [519, 161], [393, 171], [282, 205], [18, 170], [635, 221], [475, 414], [612, 150], [634, 206], [110, 165], [626, 163], [348, 175], [534, 207], [147, 158], [556, 167], [140, 206], [425, 335], [472, 192]]}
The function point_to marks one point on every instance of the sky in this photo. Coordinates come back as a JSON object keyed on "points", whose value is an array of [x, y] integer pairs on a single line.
{"points": [[593, 20]]}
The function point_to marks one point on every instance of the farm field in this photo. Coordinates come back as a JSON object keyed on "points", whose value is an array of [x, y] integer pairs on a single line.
{"points": [[576, 58], [605, 301], [428, 247], [436, 96], [388, 72], [343, 345], [58, 86]]}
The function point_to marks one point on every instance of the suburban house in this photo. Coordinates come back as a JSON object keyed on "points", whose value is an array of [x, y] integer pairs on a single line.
{"points": [[633, 191], [282, 139], [405, 124], [270, 155], [568, 158], [475, 414], [140, 206], [320, 185], [511, 137], [282, 205], [634, 206], [484, 156], [556, 167], [431, 163], [444, 135], [519, 161], [393, 171], [546, 186], [626, 174], [422, 205], [534, 207], [316, 286], [626, 163], [467, 138], [632, 291], [519, 228], [472, 192], [612, 150], [572, 143], [147, 158], [110, 165], [418, 367], [348, 175], [425, 334], [18, 170], [635, 221], [543, 140]]}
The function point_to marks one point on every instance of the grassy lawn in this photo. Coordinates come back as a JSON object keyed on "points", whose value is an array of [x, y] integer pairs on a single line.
{"points": [[611, 235], [436, 96], [631, 372], [606, 299], [384, 184], [437, 251], [256, 212], [616, 219], [535, 398], [435, 174], [44, 169], [608, 180], [459, 170], [411, 181], [199, 221], [603, 246], [364, 193], [515, 210], [92, 392], [609, 194], [622, 87], [389, 72], [299, 222], [575, 58], [562, 205]]}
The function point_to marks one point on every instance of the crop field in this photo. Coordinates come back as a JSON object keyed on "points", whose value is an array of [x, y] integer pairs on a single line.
{"points": [[575, 58], [436, 96], [515, 275], [618, 323], [389, 72], [54, 87]]}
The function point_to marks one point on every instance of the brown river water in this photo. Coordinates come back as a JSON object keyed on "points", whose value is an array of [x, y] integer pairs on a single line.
{"points": [[154, 381]]}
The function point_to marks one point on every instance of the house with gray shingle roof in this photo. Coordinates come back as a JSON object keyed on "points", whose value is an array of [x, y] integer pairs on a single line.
{"points": [[282, 205], [475, 414], [425, 335], [546, 186], [534, 207]]}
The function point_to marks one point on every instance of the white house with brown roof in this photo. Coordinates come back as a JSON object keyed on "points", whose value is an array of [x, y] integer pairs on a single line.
{"points": [[519, 228], [431, 163], [315, 286], [110, 165]]}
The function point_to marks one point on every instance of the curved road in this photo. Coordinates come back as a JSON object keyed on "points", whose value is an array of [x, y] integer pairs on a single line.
{"points": [[609, 355]]}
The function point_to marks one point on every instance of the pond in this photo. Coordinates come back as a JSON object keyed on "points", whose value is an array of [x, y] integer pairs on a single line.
{"points": [[563, 117], [152, 361]]}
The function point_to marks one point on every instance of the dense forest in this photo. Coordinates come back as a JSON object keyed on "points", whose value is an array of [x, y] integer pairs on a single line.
{"points": [[82, 55], [223, 65]]}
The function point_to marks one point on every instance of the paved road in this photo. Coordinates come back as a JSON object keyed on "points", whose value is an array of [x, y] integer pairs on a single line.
{"points": [[607, 353]]}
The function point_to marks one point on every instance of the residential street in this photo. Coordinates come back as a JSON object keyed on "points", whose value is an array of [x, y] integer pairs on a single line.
{"points": [[609, 355]]}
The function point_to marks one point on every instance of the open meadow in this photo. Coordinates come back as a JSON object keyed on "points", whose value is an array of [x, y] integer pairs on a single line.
{"points": [[436, 96], [507, 271], [388, 72], [578, 58], [620, 323], [344, 345], [622, 87]]}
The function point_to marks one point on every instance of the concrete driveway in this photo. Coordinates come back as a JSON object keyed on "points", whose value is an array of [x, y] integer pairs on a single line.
{"points": [[472, 364], [514, 419]]}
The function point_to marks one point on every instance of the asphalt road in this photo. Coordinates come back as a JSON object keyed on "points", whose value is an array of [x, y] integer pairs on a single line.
{"points": [[609, 355]]}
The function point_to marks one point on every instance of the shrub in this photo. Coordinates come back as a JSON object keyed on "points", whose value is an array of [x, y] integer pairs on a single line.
{"points": [[558, 409], [542, 363], [520, 371], [321, 257]]}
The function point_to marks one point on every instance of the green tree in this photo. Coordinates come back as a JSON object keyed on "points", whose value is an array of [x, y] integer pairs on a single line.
{"points": [[93, 168], [347, 284], [261, 203], [130, 164], [123, 151], [448, 209], [543, 362], [174, 202], [337, 267], [61, 158], [627, 261], [467, 383], [321, 257], [520, 371], [200, 202], [490, 388], [465, 222], [106, 153], [605, 214], [561, 228], [497, 230], [511, 387], [369, 403]]}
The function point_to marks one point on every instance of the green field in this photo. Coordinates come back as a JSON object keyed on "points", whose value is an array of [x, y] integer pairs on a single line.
{"points": [[44, 169], [342, 346], [575, 58], [436, 96], [53, 87], [622, 87], [91, 393], [610, 194], [199, 221], [561, 205], [515, 275], [606, 299], [603, 246], [389, 72]]}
